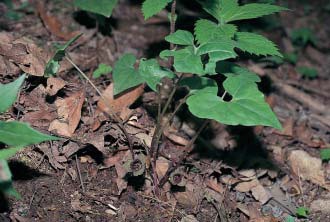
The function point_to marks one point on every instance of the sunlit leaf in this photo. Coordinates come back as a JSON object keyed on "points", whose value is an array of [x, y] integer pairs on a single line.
{"points": [[9, 93]]}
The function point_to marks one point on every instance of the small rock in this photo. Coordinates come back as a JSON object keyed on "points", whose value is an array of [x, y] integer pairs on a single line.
{"points": [[321, 205]]}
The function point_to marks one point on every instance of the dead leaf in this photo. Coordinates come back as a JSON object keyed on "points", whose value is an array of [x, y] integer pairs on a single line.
{"points": [[70, 149], [40, 118], [53, 24], [247, 186], [120, 181], [176, 138], [215, 185], [54, 85], [78, 206], [120, 103], [261, 194], [189, 218], [187, 199], [69, 112], [28, 56], [287, 128], [307, 167], [162, 166]]}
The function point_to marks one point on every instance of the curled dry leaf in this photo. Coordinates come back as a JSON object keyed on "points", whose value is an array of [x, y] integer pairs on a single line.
{"points": [[247, 186], [261, 194], [53, 24], [215, 185], [119, 104], [28, 56], [54, 85], [307, 167], [69, 112]]}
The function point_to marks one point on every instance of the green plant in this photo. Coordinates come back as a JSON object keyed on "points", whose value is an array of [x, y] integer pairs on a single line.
{"points": [[193, 58], [302, 211], [325, 154], [303, 36], [307, 72], [14, 134]]}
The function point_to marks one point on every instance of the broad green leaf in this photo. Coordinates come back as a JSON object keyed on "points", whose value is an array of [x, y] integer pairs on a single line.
{"points": [[195, 83], [325, 154], [152, 7], [8, 152], [217, 50], [289, 219], [21, 134], [228, 10], [180, 37], [291, 57], [6, 185], [185, 60], [53, 64], [9, 93], [206, 30], [102, 69], [308, 72], [249, 11], [102, 7], [247, 107], [256, 44], [152, 73], [124, 74]]}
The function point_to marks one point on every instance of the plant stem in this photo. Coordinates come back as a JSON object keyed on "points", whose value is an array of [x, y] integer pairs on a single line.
{"points": [[172, 22], [188, 148], [112, 114]]}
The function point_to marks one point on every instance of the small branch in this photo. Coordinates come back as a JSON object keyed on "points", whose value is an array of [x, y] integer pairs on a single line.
{"points": [[188, 148], [79, 174], [112, 114]]}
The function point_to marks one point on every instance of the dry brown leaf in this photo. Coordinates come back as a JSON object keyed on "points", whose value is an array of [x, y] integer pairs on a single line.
{"points": [[28, 56], [175, 138], [187, 199], [247, 186], [69, 112], [53, 24], [54, 85], [121, 172], [261, 194], [112, 160], [40, 118], [162, 166], [120, 103], [215, 185], [307, 167], [287, 128]]}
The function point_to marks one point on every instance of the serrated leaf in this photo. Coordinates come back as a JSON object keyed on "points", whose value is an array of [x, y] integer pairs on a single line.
{"points": [[206, 30], [53, 64], [256, 44], [180, 37], [21, 134], [228, 10], [250, 11], [152, 7], [8, 152], [152, 73], [325, 154], [102, 69], [124, 74], [102, 7], [195, 83], [9, 93], [185, 60], [247, 107], [217, 50]]}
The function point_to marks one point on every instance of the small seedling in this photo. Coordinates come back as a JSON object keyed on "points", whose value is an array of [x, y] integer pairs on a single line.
{"points": [[291, 57], [325, 154], [303, 36], [307, 72], [302, 212], [102, 69]]}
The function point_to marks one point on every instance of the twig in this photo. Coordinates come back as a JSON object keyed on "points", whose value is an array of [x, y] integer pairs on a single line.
{"points": [[112, 114], [79, 174], [188, 148]]}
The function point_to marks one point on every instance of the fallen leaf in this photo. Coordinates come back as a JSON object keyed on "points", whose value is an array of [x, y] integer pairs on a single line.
{"points": [[162, 166], [215, 185], [187, 199], [76, 204], [27, 55], [69, 112], [70, 149], [189, 218], [175, 138], [53, 24], [120, 181], [287, 128], [307, 167], [247, 186], [119, 104], [261, 194], [54, 85]]}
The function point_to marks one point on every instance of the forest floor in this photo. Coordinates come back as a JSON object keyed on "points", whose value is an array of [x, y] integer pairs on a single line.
{"points": [[234, 173]]}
